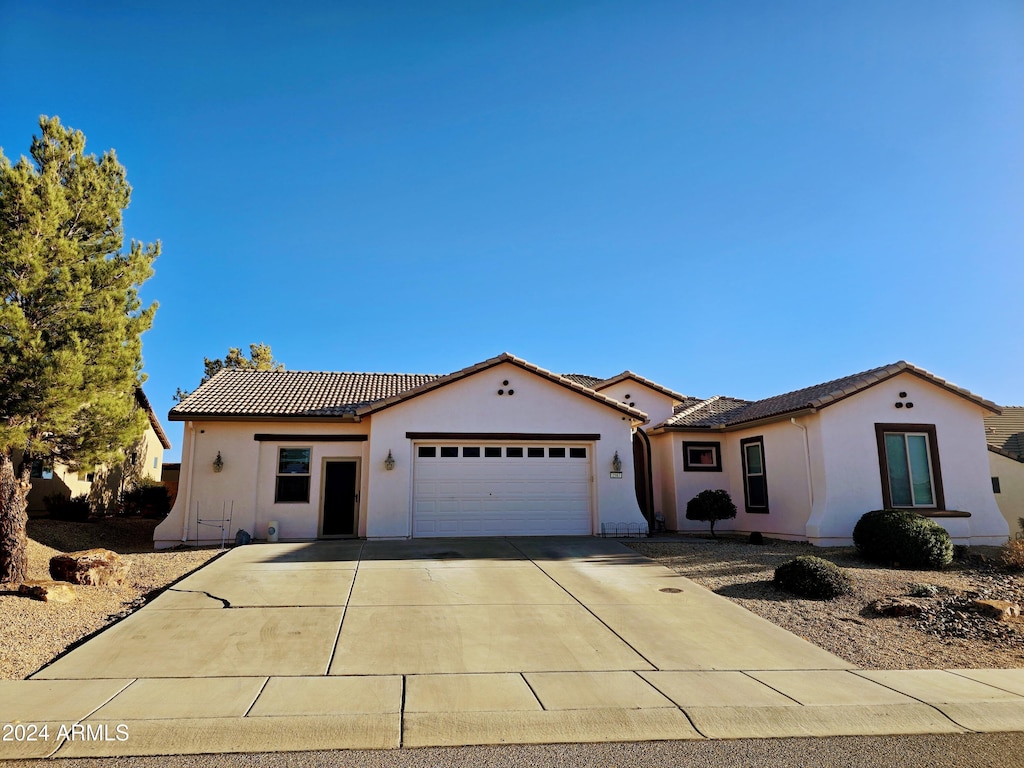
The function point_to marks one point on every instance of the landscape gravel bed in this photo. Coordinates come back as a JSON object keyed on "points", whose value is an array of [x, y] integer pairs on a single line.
{"points": [[33, 633], [948, 634]]}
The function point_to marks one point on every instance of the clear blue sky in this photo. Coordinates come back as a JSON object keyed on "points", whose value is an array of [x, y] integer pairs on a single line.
{"points": [[736, 198]]}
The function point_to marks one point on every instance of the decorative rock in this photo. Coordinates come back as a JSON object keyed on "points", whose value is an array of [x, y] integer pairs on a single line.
{"points": [[48, 591], [96, 567], [997, 609], [897, 606]]}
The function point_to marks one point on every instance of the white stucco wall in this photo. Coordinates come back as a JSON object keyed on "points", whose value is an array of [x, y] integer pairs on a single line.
{"points": [[657, 405], [1010, 498], [786, 475], [853, 483], [248, 480], [473, 405]]}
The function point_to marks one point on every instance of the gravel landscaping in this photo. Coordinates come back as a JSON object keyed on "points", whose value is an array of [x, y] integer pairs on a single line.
{"points": [[33, 633], [947, 634]]}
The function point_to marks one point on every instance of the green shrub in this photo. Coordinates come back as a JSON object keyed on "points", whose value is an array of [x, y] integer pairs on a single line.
{"points": [[60, 507], [711, 506], [810, 576], [900, 537], [149, 499]]}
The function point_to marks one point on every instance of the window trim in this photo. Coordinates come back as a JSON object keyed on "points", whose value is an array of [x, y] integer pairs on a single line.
{"points": [[278, 474], [933, 454], [759, 440], [689, 467]]}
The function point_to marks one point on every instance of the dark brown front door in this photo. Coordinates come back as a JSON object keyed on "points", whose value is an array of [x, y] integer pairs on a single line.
{"points": [[642, 474], [339, 499]]}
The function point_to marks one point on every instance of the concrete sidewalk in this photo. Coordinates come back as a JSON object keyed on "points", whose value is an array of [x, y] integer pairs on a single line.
{"points": [[353, 645]]}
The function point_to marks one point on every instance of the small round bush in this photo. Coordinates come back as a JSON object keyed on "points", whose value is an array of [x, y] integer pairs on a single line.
{"points": [[810, 576], [900, 537], [1013, 555], [711, 506]]}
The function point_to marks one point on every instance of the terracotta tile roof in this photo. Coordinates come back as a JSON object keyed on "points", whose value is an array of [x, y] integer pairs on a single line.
{"points": [[737, 412], [636, 377], [714, 411], [243, 393], [1006, 431], [143, 401], [582, 378], [238, 394]]}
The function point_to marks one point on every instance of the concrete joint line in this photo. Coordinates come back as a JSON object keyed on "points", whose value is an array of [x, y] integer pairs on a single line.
{"points": [[654, 667], [257, 698], [543, 708], [922, 701], [344, 613], [991, 685], [766, 685]]}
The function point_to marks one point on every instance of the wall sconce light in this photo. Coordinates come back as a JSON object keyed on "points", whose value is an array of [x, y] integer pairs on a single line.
{"points": [[389, 462], [218, 463], [616, 463]]}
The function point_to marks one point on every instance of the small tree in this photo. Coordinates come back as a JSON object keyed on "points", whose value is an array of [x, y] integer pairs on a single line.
{"points": [[261, 358], [70, 320], [711, 506]]}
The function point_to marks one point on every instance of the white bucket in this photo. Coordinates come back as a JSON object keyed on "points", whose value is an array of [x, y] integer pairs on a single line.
{"points": [[272, 531]]}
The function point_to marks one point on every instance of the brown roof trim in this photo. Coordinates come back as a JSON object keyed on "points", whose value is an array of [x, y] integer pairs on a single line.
{"points": [[635, 414], [522, 437], [1007, 454], [640, 380], [180, 416], [142, 400], [262, 437]]}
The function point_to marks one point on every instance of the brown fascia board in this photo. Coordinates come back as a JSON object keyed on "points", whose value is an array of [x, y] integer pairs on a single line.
{"points": [[180, 416], [640, 380], [638, 416], [1006, 453], [141, 399]]}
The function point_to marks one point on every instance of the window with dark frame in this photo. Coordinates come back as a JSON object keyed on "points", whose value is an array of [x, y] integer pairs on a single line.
{"points": [[427, 451], [908, 462], [514, 452], [471, 452], [492, 452], [556, 453], [292, 475], [449, 452], [702, 456], [755, 478], [995, 485], [535, 453], [577, 453]]}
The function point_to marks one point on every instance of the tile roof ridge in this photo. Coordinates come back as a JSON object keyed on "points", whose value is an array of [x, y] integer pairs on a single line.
{"points": [[326, 373]]}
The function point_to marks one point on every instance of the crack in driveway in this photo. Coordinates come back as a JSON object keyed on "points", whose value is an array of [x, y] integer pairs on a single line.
{"points": [[226, 603]]}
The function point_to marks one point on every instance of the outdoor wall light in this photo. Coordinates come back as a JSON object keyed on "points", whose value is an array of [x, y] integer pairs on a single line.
{"points": [[616, 463], [218, 463], [389, 462]]}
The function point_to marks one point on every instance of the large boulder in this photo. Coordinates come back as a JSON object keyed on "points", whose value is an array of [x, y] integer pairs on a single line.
{"points": [[96, 567], [48, 591]]}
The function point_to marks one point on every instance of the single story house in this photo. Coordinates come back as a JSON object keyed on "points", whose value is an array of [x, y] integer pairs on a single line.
{"points": [[1005, 433], [504, 447], [101, 484]]}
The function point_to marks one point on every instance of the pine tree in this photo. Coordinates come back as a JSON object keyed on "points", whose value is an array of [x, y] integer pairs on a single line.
{"points": [[261, 358], [70, 320]]}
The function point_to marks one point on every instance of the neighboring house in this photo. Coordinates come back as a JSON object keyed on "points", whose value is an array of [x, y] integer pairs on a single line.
{"points": [[506, 448], [1005, 433], [102, 484]]}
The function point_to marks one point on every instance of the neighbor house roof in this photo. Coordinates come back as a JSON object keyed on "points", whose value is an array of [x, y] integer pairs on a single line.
{"points": [[248, 394], [143, 401], [236, 393], [1005, 432], [582, 378], [641, 380], [729, 412]]}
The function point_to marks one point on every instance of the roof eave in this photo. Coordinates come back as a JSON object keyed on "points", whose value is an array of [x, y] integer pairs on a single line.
{"points": [[179, 416]]}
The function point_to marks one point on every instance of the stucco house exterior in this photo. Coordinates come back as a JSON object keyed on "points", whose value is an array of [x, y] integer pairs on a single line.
{"points": [[505, 447], [1005, 433], [102, 484]]}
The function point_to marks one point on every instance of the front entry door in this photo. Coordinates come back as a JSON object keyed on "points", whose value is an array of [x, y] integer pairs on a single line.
{"points": [[340, 499]]}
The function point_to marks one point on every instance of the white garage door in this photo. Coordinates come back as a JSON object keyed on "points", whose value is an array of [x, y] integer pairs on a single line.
{"points": [[480, 489]]}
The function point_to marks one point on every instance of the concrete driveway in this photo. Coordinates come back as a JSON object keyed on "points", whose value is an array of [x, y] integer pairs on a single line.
{"points": [[466, 641]]}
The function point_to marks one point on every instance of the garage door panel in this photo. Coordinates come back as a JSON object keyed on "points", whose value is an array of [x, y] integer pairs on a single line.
{"points": [[502, 496]]}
